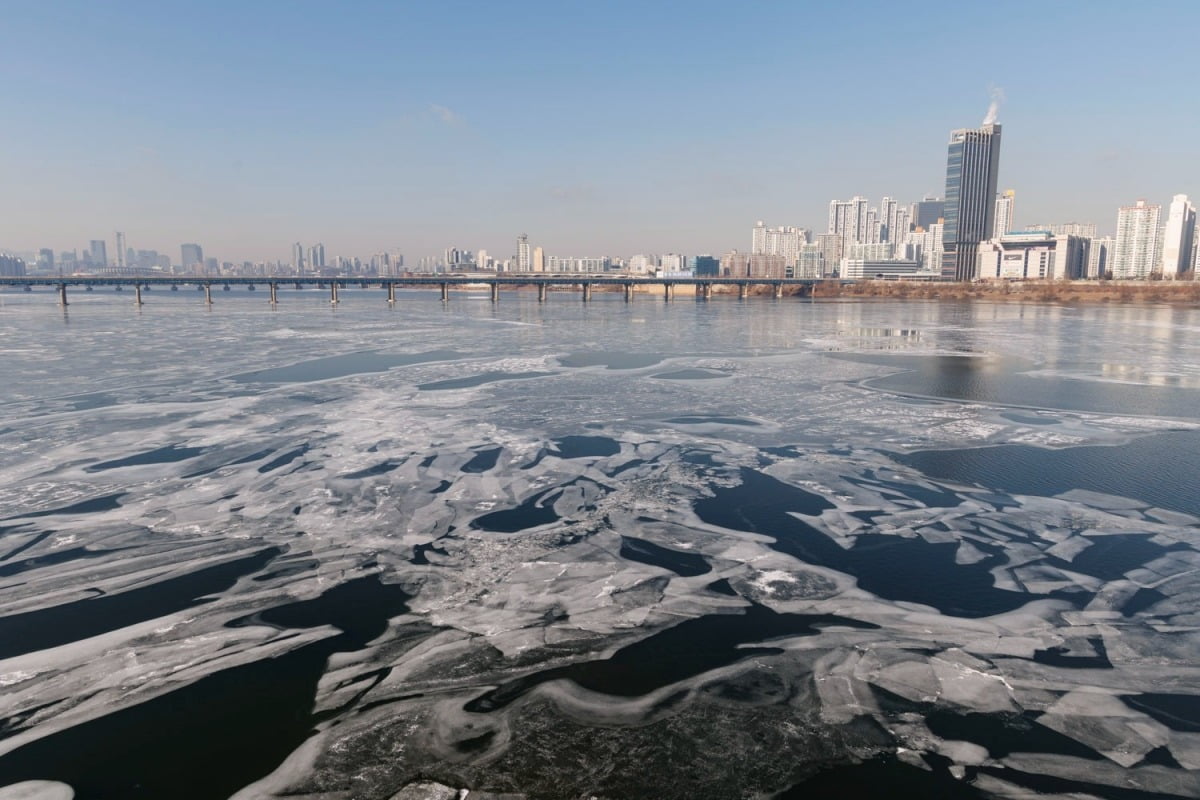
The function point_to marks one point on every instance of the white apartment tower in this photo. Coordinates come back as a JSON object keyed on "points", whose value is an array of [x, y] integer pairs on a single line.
{"points": [[1004, 213], [848, 219], [1136, 253], [524, 255], [1178, 236], [784, 241]]}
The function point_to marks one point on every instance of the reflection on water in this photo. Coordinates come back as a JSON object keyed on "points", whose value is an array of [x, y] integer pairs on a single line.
{"points": [[1003, 380]]}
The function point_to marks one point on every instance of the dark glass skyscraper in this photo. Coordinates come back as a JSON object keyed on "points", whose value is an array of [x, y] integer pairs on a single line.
{"points": [[972, 164]]}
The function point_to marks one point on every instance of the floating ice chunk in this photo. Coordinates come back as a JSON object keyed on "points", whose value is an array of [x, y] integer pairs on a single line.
{"points": [[966, 681], [961, 753], [37, 790], [1101, 721], [427, 791]]}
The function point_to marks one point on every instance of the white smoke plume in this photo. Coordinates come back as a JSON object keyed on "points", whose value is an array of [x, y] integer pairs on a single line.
{"points": [[994, 107]]}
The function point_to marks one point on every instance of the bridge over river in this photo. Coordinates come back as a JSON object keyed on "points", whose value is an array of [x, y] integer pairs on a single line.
{"points": [[583, 283]]}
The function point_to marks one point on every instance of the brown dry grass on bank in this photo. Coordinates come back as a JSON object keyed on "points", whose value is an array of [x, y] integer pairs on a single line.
{"points": [[1182, 292]]}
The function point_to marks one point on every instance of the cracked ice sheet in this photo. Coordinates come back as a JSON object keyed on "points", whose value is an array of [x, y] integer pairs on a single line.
{"points": [[342, 472]]}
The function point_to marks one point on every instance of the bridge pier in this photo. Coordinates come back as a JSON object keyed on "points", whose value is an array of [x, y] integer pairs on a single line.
{"points": [[298, 285], [541, 292], [743, 291], [137, 294], [333, 291], [706, 291], [587, 292], [777, 291], [668, 292], [274, 296], [629, 293], [495, 292], [62, 295], [391, 287], [208, 294], [445, 292]]}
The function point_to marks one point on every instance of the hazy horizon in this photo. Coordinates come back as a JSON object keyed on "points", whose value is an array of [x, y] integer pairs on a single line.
{"points": [[597, 130]]}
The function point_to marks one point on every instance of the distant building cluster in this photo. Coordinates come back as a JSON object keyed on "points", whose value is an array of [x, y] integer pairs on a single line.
{"points": [[968, 234]]}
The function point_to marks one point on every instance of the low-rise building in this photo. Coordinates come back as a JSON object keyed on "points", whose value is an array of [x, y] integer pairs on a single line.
{"points": [[1032, 255]]}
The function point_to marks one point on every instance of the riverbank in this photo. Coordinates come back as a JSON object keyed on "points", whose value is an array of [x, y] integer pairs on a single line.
{"points": [[1181, 292]]}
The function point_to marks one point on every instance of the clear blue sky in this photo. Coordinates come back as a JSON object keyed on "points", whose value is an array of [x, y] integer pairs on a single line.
{"points": [[595, 127]]}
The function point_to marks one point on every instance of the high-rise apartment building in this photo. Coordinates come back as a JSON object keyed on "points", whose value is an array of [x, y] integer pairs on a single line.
{"points": [[1177, 237], [887, 218], [901, 226], [524, 255], [848, 219], [830, 246], [1136, 253], [298, 257], [782, 241], [316, 258], [121, 262], [539, 259], [1004, 214], [1100, 257], [972, 166]]}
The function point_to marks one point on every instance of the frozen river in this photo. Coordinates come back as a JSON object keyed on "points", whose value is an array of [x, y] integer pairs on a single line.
{"points": [[713, 549]]}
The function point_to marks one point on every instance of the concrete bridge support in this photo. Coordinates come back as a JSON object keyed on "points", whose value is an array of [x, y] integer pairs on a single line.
{"points": [[629, 293], [541, 292], [743, 291], [445, 292], [391, 287], [62, 295], [208, 294], [706, 291], [273, 288], [495, 292], [333, 293], [668, 292], [777, 291], [137, 294], [587, 292]]}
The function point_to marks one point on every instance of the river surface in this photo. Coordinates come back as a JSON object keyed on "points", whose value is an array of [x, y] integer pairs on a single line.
{"points": [[724, 549]]}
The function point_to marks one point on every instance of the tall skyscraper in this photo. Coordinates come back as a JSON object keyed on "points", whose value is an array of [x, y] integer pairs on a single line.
{"points": [[98, 250], [524, 256], [539, 260], [317, 256], [972, 166], [121, 249], [1178, 236], [298, 257], [1004, 214], [191, 257], [1136, 252]]}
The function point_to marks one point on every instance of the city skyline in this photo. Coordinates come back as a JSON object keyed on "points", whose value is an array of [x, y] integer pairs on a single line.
{"points": [[635, 146]]}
